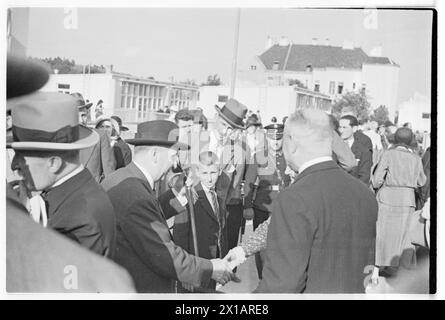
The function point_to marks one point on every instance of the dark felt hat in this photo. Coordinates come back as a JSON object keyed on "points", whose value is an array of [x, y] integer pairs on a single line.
{"points": [[24, 76], [157, 133]]}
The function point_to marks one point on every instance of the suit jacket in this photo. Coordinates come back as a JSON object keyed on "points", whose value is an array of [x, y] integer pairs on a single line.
{"points": [[80, 209], [41, 260], [321, 234], [99, 159], [122, 153], [145, 245], [210, 228], [234, 162], [363, 155]]}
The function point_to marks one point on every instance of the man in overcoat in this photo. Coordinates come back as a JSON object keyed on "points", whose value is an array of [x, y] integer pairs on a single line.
{"points": [[46, 139], [322, 230], [145, 246]]}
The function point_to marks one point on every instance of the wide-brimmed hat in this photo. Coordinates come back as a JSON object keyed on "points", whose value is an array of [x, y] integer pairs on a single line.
{"points": [[45, 121], [274, 131], [233, 112], [81, 104], [119, 122], [157, 133], [24, 76]]}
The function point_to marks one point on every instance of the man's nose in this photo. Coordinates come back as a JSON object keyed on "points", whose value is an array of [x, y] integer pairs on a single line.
{"points": [[16, 161]]}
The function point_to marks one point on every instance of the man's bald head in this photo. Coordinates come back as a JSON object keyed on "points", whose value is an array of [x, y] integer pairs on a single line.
{"points": [[307, 135]]}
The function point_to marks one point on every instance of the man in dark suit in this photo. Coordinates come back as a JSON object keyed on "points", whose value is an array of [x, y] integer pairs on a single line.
{"points": [[145, 246], [322, 229], [36, 255], [360, 145], [47, 140]]}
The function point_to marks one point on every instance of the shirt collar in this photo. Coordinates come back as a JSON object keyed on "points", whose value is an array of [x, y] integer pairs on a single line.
{"points": [[350, 142], [312, 162], [206, 190], [146, 174], [68, 176]]}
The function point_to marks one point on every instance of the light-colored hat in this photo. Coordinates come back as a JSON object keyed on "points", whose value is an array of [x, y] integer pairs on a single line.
{"points": [[233, 112], [45, 121]]}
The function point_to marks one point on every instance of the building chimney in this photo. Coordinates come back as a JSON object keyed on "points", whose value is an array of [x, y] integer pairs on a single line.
{"points": [[284, 41], [327, 42], [376, 51], [269, 43], [314, 41], [348, 44]]}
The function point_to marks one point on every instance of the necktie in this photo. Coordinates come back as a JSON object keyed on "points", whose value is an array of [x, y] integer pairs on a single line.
{"points": [[37, 209], [215, 204]]}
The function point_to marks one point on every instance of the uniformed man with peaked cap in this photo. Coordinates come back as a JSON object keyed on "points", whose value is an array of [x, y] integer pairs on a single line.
{"points": [[265, 179]]}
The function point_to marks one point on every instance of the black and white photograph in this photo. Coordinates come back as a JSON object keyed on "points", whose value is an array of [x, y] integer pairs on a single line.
{"points": [[218, 152]]}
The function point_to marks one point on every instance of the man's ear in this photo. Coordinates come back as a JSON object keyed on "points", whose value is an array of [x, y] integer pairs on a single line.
{"points": [[55, 164]]}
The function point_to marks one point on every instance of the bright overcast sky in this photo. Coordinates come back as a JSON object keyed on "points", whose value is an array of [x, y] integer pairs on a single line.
{"points": [[193, 43]]}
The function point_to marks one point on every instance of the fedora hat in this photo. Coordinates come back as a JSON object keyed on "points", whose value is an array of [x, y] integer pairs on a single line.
{"points": [[81, 104], [157, 133], [119, 122], [233, 112], [46, 121], [24, 76]]}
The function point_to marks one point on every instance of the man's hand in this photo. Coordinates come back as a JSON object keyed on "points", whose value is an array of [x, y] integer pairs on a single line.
{"points": [[235, 257], [248, 213], [222, 272]]}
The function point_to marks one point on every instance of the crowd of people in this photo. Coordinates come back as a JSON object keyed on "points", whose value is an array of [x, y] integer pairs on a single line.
{"points": [[164, 211]]}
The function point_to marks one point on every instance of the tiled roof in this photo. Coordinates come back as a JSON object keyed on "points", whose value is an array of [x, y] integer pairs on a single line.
{"points": [[318, 56]]}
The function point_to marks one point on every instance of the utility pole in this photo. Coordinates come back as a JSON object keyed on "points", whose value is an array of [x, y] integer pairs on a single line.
{"points": [[235, 54]]}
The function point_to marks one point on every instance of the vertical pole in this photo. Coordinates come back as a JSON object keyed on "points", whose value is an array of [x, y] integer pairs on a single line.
{"points": [[235, 54]]}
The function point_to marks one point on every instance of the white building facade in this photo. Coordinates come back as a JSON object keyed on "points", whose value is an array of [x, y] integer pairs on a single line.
{"points": [[327, 69], [132, 98]]}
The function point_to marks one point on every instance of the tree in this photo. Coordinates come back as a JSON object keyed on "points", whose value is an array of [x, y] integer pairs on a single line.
{"points": [[296, 82], [213, 80], [380, 114], [64, 66], [357, 102]]}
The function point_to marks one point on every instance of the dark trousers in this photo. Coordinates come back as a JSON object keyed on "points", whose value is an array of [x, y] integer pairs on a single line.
{"points": [[259, 217], [234, 219]]}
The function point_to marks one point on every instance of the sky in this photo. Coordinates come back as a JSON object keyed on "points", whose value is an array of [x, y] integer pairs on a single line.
{"points": [[192, 43]]}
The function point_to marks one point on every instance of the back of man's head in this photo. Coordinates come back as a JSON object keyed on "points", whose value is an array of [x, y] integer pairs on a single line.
{"points": [[312, 131]]}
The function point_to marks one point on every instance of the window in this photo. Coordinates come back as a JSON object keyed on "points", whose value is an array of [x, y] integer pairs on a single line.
{"points": [[363, 90], [332, 87], [340, 88], [317, 86], [222, 98], [252, 67], [426, 115], [353, 86], [63, 86]]}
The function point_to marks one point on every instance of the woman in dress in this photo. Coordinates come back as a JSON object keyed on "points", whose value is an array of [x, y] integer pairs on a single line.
{"points": [[396, 176]]}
